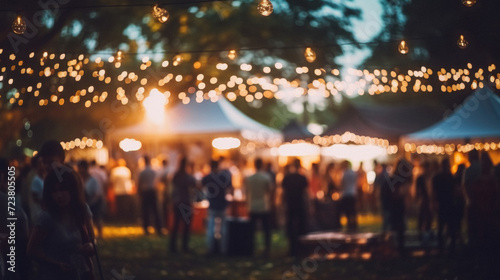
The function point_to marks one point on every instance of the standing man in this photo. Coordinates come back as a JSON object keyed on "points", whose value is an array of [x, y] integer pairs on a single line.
{"points": [[348, 195], [215, 186], [259, 189], [424, 194], [183, 185], [165, 203], [295, 196], [147, 193], [471, 181]]}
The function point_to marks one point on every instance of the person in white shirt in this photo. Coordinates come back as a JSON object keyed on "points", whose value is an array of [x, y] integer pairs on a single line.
{"points": [[259, 188], [348, 195], [146, 187]]}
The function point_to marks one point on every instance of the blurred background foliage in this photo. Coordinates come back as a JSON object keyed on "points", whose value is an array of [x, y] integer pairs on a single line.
{"points": [[204, 31]]}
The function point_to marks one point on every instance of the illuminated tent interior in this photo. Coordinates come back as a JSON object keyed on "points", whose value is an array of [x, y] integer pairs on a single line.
{"points": [[477, 119]]}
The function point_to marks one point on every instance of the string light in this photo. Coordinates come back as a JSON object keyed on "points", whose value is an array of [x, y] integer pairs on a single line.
{"points": [[462, 43], [265, 8], [160, 14], [349, 137], [118, 56], [403, 47], [82, 143], [232, 54], [19, 25], [450, 148], [469, 3], [67, 71], [310, 55], [44, 58], [177, 60]]}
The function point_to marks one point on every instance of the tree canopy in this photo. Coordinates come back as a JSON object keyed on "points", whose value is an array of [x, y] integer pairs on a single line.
{"points": [[82, 41]]}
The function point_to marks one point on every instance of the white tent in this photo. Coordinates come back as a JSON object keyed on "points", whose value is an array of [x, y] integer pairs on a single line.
{"points": [[478, 118], [194, 119]]}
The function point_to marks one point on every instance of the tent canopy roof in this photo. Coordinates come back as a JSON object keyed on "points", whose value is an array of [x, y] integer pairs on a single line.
{"points": [[384, 121], [216, 118], [477, 118], [293, 130]]}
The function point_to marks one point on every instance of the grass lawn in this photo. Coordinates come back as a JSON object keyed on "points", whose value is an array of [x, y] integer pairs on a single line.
{"points": [[127, 254]]}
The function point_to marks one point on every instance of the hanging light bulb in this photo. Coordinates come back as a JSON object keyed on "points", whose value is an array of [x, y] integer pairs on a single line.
{"points": [[44, 58], [462, 43], [310, 55], [160, 14], [118, 56], [265, 8], [469, 3], [177, 60], [232, 54], [403, 47], [19, 25]]}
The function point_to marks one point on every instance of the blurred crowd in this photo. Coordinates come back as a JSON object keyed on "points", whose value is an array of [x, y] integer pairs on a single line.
{"points": [[165, 196]]}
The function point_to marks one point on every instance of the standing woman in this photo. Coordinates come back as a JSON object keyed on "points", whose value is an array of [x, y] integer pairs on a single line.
{"points": [[61, 240]]}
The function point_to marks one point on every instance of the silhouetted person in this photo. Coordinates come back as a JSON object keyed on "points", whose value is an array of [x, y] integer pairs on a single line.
{"points": [[331, 187], [274, 219], [183, 185], [215, 185], [471, 178], [147, 192], [314, 181], [395, 191], [348, 191], [259, 188], [94, 194], [331, 198], [443, 185], [165, 180], [362, 189], [458, 205], [61, 240], [486, 192], [294, 196], [384, 195], [423, 195]]}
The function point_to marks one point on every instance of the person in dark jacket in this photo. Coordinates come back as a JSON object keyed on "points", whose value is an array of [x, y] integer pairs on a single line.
{"points": [[216, 185], [394, 193], [294, 196], [183, 186], [443, 185]]}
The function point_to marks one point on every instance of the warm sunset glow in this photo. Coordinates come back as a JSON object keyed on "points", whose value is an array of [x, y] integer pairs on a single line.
{"points": [[155, 106]]}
